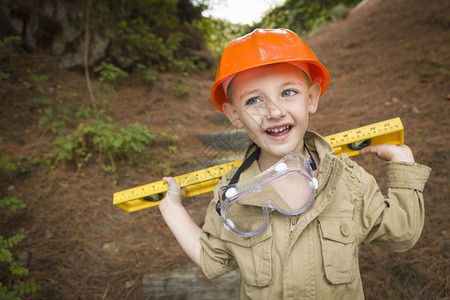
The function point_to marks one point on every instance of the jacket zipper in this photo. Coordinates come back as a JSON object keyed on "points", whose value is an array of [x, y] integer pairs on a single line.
{"points": [[324, 183], [294, 219]]}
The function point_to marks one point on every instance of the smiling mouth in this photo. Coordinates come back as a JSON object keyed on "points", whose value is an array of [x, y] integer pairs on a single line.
{"points": [[279, 131]]}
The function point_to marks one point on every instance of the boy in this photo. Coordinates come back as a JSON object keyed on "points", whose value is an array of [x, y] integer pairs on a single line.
{"points": [[268, 82]]}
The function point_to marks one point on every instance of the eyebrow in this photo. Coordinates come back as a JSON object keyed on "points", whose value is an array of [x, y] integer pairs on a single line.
{"points": [[292, 83], [246, 93], [259, 91]]}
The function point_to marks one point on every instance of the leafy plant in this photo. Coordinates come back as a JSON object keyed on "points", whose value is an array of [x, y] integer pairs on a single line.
{"points": [[8, 43], [59, 114], [109, 72], [4, 75], [13, 286], [190, 63], [6, 165], [36, 102], [183, 86], [150, 75], [173, 149], [106, 140], [57, 120], [39, 79], [12, 203], [169, 137]]}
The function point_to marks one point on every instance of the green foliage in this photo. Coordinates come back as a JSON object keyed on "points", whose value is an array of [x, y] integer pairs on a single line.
{"points": [[173, 149], [141, 39], [154, 33], [7, 50], [9, 243], [22, 288], [168, 168], [84, 112], [6, 165], [218, 33], [105, 140], [59, 114], [173, 138], [303, 16], [37, 102], [190, 63], [7, 44], [56, 120], [150, 75], [38, 80], [434, 68], [183, 86], [13, 285], [100, 138], [4, 75], [109, 72], [12, 203]]}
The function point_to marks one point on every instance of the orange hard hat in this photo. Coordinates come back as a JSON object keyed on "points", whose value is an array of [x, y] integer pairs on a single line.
{"points": [[263, 47]]}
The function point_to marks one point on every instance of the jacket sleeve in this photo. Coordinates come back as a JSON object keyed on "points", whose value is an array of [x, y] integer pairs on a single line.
{"points": [[216, 258], [395, 221]]}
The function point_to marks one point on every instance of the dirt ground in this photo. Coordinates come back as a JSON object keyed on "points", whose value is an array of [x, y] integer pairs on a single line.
{"points": [[386, 59]]}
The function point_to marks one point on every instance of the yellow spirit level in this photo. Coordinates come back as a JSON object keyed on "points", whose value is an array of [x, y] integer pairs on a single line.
{"points": [[203, 181]]}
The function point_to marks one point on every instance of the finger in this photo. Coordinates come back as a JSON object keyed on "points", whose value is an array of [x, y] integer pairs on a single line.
{"points": [[174, 193], [382, 151], [183, 192], [369, 150], [173, 184]]}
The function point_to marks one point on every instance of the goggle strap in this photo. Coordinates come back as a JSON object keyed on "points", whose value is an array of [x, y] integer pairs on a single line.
{"points": [[245, 165], [313, 162]]}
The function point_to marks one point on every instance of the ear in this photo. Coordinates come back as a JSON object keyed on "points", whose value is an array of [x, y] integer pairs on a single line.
{"points": [[232, 115], [314, 94]]}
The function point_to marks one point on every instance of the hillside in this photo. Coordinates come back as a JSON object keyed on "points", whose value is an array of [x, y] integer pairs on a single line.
{"points": [[386, 59]]}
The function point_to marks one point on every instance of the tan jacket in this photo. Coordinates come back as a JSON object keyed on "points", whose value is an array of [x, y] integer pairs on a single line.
{"points": [[315, 255]]}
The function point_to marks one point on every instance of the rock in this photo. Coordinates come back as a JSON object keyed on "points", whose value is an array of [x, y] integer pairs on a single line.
{"points": [[48, 234], [129, 284], [111, 248]]}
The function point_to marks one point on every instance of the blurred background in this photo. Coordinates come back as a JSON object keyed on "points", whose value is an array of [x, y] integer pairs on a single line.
{"points": [[100, 96]]}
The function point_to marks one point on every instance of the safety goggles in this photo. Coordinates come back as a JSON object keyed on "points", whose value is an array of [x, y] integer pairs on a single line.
{"points": [[287, 187]]}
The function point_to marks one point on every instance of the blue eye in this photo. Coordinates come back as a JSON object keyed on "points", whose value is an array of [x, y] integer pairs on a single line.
{"points": [[253, 100], [288, 93]]}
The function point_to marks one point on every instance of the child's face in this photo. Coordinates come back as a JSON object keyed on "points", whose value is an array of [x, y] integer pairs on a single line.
{"points": [[272, 104]]}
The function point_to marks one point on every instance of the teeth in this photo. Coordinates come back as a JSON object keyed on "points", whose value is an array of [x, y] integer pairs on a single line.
{"points": [[276, 130]]}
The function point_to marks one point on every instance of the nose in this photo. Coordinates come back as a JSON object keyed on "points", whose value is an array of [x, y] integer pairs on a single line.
{"points": [[274, 110]]}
